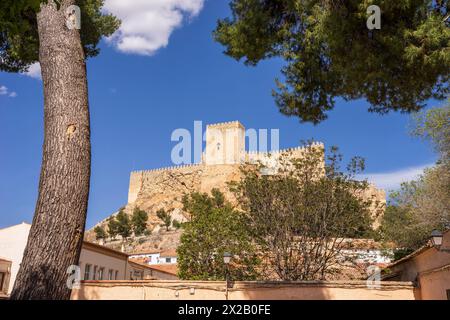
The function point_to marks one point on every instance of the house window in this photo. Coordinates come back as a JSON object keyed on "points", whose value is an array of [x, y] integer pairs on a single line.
{"points": [[137, 275], [168, 260], [87, 272], [117, 275], [2, 279], [110, 274], [448, 294], [94, 277], [101, 271]]}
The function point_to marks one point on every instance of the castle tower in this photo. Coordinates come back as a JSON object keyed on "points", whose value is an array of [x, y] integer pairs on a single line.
{"points": [[225, 143]]}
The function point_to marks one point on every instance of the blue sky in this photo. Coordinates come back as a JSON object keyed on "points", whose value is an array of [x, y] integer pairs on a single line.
{"points": [[145, 84]]}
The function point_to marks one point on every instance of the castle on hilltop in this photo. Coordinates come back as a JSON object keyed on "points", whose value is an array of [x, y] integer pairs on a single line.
{"points": [[225, 147], [225, 151]]}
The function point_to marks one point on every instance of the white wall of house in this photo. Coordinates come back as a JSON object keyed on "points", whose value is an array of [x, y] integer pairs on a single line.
{"points": [[99, 266], [153, 258], [105, 262], [365, 255], [167, 259], [13, 241]]}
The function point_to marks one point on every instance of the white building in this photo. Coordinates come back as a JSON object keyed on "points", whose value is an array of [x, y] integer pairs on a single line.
{"points": [[167, 257], [12, 244], [367, 256], [154, 257], [148, 256]]}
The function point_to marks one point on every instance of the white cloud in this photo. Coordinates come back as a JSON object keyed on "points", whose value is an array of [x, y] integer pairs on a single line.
{"points": [[34, 71], [392, 180], [4, 91], [147, 24]]}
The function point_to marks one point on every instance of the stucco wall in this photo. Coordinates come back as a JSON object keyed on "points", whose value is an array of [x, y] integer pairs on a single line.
{"points": [[427, 259], [435, 284], [12, 244], [101, 260], [429, 267], [215, 290]]}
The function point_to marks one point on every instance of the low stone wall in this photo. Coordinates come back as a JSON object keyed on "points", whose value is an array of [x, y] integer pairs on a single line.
{"points": [[242, 290], [435, 283]]}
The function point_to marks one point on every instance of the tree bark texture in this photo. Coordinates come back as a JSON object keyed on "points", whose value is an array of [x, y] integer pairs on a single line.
{"points": [[56, 235]]}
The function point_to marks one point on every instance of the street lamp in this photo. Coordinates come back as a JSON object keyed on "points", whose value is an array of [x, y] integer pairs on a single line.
{"points": [[226, 259], [436, 241], [436, 238]]}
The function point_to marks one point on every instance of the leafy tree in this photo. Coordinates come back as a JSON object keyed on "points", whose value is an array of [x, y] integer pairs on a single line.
{"points": [[139, 221], [112, 227], [431, 196], [419, 207], [165, 217], [434, 125], [400, 226], [124, 226], [422, 205], [100, 233], [300, 214], [329, 52], [213, 229], [36, 31]]}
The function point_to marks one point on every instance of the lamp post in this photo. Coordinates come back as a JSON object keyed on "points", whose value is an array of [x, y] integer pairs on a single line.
{"points": [[226, 259], [436, 240]]}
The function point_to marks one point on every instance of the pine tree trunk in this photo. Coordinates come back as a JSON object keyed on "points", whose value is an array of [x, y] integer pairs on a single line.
{"points": [[57, 232]]}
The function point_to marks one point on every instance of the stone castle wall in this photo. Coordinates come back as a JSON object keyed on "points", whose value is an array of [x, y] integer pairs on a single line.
{"points": [[202, 177], [164, 188], [167, 186]]}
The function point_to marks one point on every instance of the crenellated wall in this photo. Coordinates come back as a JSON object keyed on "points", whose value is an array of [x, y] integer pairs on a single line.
{"points": [[203, 177], [137, 178], [225, 152]]}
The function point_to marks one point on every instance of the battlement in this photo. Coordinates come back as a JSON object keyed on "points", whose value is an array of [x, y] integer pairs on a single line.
{"points": [[194, 165], [227, 124], [225, 145], [137, 177], [293, 149]]}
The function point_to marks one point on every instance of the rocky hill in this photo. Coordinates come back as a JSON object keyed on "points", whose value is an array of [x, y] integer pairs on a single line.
{"points": [[164, 189]]}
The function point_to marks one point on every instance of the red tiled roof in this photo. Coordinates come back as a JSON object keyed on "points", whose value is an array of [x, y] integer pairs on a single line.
{"points": [[138, 260], [169, 253], [149, 251], [90, 245], [166, 268]]}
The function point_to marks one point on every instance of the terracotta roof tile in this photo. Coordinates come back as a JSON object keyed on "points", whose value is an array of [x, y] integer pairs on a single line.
{"points": [[169, 253], [149, 251], [166, 268]]}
